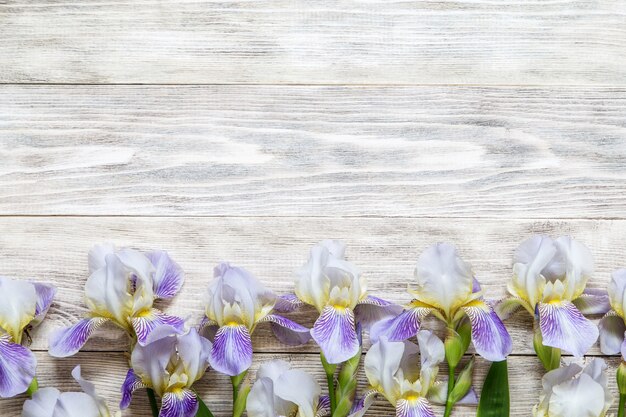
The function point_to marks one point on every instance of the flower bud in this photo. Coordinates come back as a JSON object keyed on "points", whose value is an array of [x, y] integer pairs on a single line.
{"points": [[463, 382], [550, 357], [454, 346]]}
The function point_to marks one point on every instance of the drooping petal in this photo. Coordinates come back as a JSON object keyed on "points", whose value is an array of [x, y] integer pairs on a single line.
{"points": [[335, 333], [17, 367], [193, 352], [154, 324], [617, 292], [232, 350], [372, 309], [612, 330], [300, 388], [131, 384], [67, 341], [208, 328], [287, 331], [168, 276], [18, 304], [444, 280], [414, 408], [260, 402], [511, 305], [363, 404], [45, 295], [181, 403], [150, 362], [401, 327], [42, 403], [490, 337], [593, 301], [562, 326], [287, 303]]}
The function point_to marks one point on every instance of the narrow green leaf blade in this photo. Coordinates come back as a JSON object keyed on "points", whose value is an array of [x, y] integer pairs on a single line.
{"points": [[494, 397], [203, 410]]}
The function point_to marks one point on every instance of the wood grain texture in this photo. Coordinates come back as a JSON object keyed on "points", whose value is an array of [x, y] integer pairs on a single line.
{"points": [[313, 151], [524, 378], [55, 250], [280, 41]]}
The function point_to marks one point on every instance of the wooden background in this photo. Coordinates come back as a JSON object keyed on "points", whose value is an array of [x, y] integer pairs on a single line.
{"points": [[249, 130]]}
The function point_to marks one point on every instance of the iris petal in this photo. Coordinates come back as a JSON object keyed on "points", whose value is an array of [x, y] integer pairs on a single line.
{"points": [[67, 341], [335, 333], [593, 301], [182, 403], [372, 309], [18, 303], [45, 295], [401, 327], [414, 408], [287, 331], [130, 385], [168, 276], [154, 325], [564, 327], [612, 330], [17, 367], [489, 335], [232, 350]]}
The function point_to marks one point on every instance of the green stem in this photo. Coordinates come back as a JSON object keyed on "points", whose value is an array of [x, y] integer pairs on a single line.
{"points": [[622, 404], [449, 403], [332, 395], [153, 403]]}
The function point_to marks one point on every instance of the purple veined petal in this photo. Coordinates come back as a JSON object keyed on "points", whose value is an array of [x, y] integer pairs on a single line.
{"points": [[131, 384], [612, 330], [400, 328], [564, 327], [287, 331], [323, 406], [17, 367], [182, 403], [208, 328], [419, 407], [168, 277], [593, 301], [361, 405], [45, 295], [490, 338], [287, 303], [372, 309], [335, 333], [154, 325], [67, 341], [232, 350]]}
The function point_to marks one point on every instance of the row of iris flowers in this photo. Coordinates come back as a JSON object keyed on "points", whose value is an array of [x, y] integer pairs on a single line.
{"points": [[167, 357]]}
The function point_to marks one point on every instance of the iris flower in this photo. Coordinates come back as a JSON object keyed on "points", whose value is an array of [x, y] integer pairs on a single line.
{"points": [[121, 289], [49, 402], [447, 289], [23, 304], [392, 370], [281, 391], [169, 366], [575, 391], [549, 279], [237, 302], [337, 290]]}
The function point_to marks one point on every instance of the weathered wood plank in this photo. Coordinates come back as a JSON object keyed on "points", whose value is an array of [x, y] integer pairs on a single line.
{"points": [[313, 151], [277, 41], [524, 373], [55, 250]]}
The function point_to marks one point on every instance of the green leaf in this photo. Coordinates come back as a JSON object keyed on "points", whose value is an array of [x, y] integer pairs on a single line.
{"points": [[494, 398], [203, 410]]}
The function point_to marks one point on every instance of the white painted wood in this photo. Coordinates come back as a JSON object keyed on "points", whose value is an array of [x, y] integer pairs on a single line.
{"points": [[524, 379], [313, 151], [54, 249], [279, 41]]}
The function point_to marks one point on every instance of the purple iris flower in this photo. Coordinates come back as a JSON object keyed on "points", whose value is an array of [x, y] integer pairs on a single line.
{"points": [[447, 289], [23, 304], [336, 288], [237, 302], [121, 289]]}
